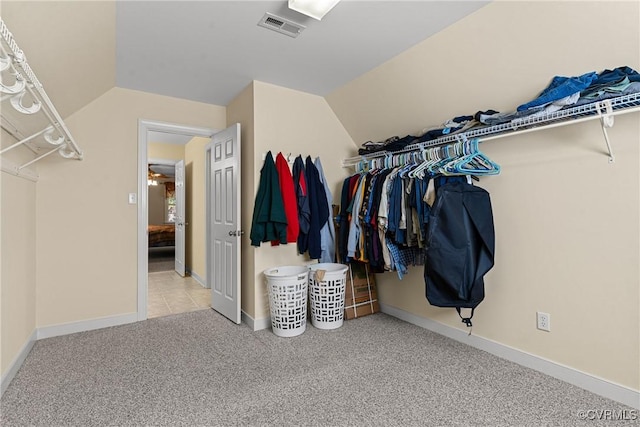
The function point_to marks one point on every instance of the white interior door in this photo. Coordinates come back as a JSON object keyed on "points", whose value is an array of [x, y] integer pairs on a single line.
{"points": [[180, 218], [223, 222]]}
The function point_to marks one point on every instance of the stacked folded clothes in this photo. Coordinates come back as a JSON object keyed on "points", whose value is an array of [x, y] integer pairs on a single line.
{"points": [[566, 92]]}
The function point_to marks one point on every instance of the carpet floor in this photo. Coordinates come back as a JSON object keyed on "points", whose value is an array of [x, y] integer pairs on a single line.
{"points": [[199, 369], [161, 261]]}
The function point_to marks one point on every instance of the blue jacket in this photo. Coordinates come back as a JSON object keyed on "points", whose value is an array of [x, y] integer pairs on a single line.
{"points": [[318, 207]]}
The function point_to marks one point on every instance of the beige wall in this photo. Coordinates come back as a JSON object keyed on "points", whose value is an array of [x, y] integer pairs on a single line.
{"points": [[18, 270], [241, 110], [165, 151], [567, 221], [86, 253], [17, 255], [279, 119], [194, 160], [299, 123]]}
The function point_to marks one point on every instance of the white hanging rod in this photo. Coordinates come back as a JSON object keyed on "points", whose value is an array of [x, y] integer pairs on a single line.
{"points": [[604, 110], [17, 63], [13, 130]]}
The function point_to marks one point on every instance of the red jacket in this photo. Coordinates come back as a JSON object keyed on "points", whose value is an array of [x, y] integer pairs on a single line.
{"points": [[288, 198]]}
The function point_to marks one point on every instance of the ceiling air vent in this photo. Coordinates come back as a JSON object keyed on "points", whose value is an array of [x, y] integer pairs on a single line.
{"points": [[281, 25]]}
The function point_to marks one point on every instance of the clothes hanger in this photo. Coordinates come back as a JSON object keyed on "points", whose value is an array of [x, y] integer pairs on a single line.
{"points": [[418, 171], [477, 163]]}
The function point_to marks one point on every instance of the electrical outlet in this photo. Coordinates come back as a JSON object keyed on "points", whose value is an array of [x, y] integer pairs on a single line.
{"points": [[544, 321]]}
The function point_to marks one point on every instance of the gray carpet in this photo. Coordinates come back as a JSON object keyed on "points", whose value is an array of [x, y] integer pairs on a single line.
{"points": [[198, 369]]}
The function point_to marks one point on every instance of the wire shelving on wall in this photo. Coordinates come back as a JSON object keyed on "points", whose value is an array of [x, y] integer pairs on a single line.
{"points": [[26, 96], [604, 110]]}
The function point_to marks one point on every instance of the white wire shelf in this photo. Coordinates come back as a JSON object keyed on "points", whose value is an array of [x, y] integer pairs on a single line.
{"points": [[603, 110], [26, 86]]}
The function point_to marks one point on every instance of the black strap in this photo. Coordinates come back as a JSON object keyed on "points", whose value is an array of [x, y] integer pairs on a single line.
{"points": [[466, 320]]}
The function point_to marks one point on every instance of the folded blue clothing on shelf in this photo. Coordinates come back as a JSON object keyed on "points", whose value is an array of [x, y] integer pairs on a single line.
{"points": [[560, 87], [607, 84], [610, 92], [611, 78]]}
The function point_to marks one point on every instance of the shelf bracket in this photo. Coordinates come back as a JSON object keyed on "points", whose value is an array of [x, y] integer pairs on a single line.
{"points": [[606, 121]]}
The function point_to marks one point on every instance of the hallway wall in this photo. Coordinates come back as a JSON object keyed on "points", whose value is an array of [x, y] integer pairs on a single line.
{"points": [[87, 232]]}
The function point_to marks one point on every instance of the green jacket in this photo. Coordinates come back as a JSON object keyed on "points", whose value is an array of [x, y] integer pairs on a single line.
{"points": [[269, 219]]}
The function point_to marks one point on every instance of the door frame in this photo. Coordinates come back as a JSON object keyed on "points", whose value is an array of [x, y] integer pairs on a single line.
{"points": [[144, 127]]}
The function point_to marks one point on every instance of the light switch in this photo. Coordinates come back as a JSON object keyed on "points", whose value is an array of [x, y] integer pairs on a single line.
{"points": [[133, 198]]}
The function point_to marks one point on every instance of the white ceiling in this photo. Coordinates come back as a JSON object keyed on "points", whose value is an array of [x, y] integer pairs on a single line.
{"points": [[209, 51]]}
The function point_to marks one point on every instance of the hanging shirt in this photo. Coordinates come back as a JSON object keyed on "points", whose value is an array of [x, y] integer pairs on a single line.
{"points": [[383, 213], [343, 221], [354, 225], [327, 233]]}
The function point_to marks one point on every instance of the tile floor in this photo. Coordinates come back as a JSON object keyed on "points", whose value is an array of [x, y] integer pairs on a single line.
{"points": [[170, 294]]}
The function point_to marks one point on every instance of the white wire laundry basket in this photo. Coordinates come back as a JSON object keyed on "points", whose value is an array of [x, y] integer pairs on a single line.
{"points": [[326, 294], [288, 299]]}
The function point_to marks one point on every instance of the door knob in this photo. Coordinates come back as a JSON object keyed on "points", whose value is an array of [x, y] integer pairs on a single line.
{"points": [[236, 233]]}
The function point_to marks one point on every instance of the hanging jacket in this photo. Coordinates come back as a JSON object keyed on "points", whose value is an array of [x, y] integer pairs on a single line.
{"points": [[288, 199], [304, 213], [460, 246], [269, 219], [343, 221], [317, 206], [327, 233]]}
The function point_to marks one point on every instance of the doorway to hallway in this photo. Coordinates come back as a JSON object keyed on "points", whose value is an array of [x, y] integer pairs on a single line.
{"points": [[167, 292], [171, 294]]}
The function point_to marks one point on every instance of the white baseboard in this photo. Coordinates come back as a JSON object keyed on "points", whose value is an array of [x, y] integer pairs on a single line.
{"points": [[564, 373], [15, 365], [86, 325], [256, 324], [197, 278]]}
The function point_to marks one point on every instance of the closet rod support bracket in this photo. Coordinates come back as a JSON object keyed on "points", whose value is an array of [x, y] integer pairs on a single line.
{"points": [[606, 121]]}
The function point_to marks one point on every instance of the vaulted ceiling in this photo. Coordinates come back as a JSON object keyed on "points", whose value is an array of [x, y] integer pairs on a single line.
{"points": [[208, 51]]}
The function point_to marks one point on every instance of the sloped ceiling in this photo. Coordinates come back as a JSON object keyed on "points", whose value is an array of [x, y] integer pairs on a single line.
{"points": [[209, 51], [71, 47]]}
